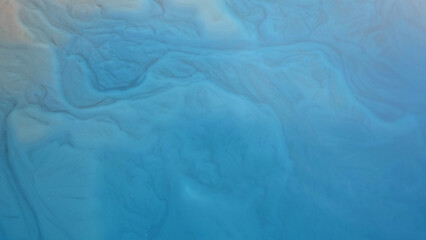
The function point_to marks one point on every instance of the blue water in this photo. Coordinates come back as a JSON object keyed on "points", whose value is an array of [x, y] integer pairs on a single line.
{"points": [[212, 120]]}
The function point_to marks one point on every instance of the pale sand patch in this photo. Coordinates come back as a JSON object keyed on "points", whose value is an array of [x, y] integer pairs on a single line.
{"points": [[214, 16], [113, 4], [11, 29]]}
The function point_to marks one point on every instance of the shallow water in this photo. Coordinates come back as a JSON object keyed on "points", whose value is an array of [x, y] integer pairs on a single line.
{"points": [[212, 120]]}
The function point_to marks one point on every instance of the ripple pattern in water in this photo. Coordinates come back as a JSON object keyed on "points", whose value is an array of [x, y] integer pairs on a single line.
{"points": [[212, 120]]}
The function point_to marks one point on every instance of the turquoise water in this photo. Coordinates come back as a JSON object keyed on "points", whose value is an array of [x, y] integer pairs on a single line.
{"points": [[212, 120]]}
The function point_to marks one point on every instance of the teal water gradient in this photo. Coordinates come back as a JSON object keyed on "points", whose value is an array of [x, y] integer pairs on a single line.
{"points": [[212, 120]]}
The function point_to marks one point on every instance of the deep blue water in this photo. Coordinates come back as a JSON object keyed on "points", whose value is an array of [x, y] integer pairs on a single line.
{"points": [[212, 120]]}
